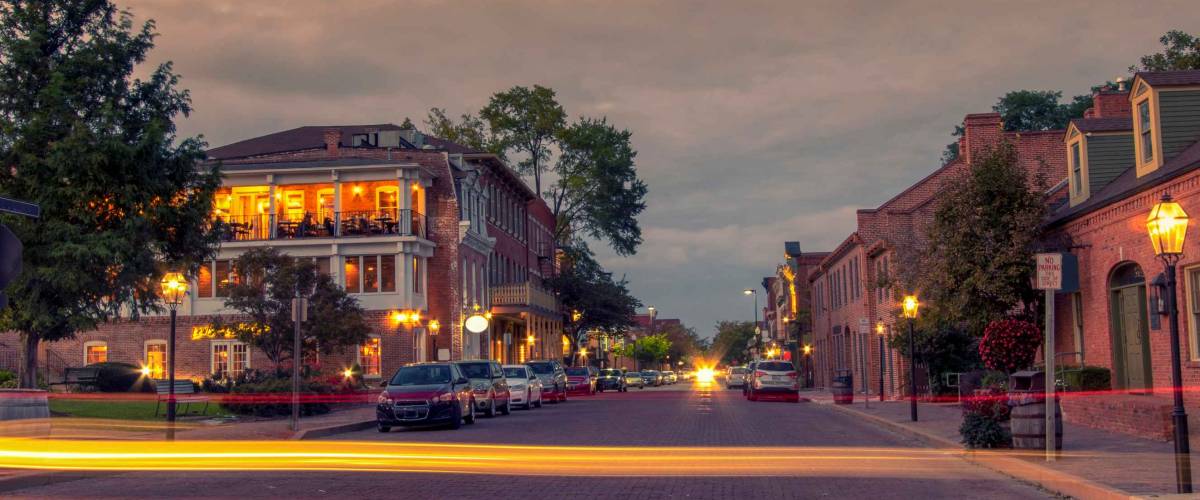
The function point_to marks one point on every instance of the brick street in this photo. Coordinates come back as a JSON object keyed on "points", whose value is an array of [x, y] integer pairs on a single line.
{"points": [[677, 416]]}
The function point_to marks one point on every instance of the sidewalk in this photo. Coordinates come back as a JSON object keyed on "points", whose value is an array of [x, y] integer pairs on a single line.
{"points": [[1092, 461]]}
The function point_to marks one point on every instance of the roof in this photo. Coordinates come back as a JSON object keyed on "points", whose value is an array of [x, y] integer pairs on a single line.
{"points": [[1129, 183], [1121, 124], [300, 138], [1170, 78], [316, 164]]}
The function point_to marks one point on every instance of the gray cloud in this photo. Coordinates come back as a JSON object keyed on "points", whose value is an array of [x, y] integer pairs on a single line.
{"points": [[755, 122]]}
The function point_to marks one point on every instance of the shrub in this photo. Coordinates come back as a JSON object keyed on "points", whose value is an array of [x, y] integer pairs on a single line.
{"points": [[1009, 344], [268, 397], [5, 376], [120, 377], [1088, 378], [983, 422]]}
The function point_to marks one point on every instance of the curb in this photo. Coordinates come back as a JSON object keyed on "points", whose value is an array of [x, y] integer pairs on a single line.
{"points": [[1045, 477], [19, 480], [329, 430]]}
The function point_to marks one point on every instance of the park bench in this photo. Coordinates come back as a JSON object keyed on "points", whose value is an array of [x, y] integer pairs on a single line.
{"points": [[81, 377], [185, 392]]}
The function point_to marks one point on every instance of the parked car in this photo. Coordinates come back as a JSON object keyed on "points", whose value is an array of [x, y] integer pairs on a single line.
{"points": [[579, 381], [524, 387], [774, 379], [669, 377], [634, 379], [491, 389], [687, 376], [736, 377], [611, 379], [426, 394], [553, 377], [652, 378]]}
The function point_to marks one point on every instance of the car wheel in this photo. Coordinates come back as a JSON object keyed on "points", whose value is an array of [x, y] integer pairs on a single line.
{"points": [[456, 418], [384, 428], [491, 411], [539, 401], [470, 418], [507, 408]]}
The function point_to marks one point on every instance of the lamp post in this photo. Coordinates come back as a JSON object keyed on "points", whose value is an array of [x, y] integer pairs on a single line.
{"points": [[910, 311], [880, 329], [1167, 226], [808, 368], [757, 324], [174, 288]]}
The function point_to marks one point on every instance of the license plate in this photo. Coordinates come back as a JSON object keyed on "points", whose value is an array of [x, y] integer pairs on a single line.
{"points": [[777, 378], [410, 413]]}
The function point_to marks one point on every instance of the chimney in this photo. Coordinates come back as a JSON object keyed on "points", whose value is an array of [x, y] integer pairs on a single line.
{"points": [[981, 131], [333, 139], [1110, 104]]}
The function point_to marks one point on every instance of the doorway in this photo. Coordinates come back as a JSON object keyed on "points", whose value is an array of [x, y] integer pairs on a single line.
{"points": [[1130, 338]]}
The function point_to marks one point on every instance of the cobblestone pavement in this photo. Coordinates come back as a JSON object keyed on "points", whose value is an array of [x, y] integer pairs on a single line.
{"points": [[676, 416]]}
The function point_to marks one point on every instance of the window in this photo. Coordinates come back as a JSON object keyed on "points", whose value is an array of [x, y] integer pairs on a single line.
{"points": [[325, 206], [1076, 169], [1077, 324], [230, 359], [353, 276], [95, 351], [225, 277], [387, 199], [369, 358], [204, 283], [222, 271], [293, 204], [416, 274], [1146, 139], [1193, 302], [156, 358], [370, 273], [387, 273]]}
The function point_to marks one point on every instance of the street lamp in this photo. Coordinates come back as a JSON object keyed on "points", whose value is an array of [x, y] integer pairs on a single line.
{"points": [[174, 289], [881, 330], [757, 324], [1167, 226], [910, 311]]}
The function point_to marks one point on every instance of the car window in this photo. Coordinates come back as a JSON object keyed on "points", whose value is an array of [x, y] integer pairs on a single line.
{"points": [[738, 371], [775, 366], [422, 375], [475, 370], [610, 373], [633, 374], [514, 373], [577, 371], [541, 368]]}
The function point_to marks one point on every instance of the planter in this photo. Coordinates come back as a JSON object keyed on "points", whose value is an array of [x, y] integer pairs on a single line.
{"points": [[1029, 422]]}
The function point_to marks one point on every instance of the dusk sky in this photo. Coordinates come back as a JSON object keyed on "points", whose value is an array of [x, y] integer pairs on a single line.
{"points": [[755, 123]]}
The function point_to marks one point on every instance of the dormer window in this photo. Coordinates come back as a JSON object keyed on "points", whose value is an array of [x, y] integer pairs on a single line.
{"points": [[1145, 135], [1076, 169], [365, 140]]}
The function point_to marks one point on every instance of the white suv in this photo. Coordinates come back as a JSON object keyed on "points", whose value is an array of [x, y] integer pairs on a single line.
{"points": [[524, 387], [774, 379]]}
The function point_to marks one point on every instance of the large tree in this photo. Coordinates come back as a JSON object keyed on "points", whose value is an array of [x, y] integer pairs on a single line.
{"points": [[978, 263], [731, 344], [597, 193], [685, 344], [597, 301], [267, 282], [120, 194], [527, 121], [1180, 51], [469, 131]]}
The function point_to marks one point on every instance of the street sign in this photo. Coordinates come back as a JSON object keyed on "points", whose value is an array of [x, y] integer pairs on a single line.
{"points": [[864, 326], [18, 207], [299, 310], [1049, 271]]}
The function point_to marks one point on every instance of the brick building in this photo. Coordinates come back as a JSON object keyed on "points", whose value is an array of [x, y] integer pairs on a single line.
{"points": [[1130, 149], [854, 290], [788, 312], [404, 222]]}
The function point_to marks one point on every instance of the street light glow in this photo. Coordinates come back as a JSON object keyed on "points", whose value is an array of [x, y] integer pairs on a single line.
{"points": [[910, 306], [1167, 226], [748, 292]]}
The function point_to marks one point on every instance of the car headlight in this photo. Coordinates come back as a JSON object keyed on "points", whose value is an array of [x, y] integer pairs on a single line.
{"points": [[384, 399], [445, 396]]}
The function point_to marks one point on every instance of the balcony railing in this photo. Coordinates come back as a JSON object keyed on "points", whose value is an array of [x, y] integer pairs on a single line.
{"points": [[361, 223], [523, 294]]}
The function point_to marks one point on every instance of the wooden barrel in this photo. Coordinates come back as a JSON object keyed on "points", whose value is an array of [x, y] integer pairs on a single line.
{"points": [[1029, 425], [24, 413]]}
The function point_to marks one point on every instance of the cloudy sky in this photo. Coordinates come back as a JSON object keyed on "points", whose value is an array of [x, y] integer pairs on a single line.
{"points": [[755, 123]]}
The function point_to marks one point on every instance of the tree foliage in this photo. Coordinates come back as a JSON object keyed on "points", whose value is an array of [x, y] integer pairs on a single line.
{"points": [[1039, 109], [652, 349], [597, 192], [120, 194], [527, 121], [978, 263], [731, 343], [469, 131], [1180, 51], [685, 344], [268, 281], [602, 303]]}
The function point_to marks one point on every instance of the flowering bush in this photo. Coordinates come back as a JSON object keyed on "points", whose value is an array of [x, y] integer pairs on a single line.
{"points": [[1009, 344]]}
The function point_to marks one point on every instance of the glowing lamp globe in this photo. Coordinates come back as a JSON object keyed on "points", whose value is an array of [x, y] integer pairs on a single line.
{"points": [[174, 288], [910, 306], [476, 323], [1167, 226]]}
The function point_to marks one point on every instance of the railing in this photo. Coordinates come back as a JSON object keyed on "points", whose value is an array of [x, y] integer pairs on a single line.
{"points": [[360, 223], [523, 294]]}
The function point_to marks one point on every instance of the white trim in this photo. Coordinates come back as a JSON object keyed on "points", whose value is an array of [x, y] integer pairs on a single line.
{"points": [[94, 343]]}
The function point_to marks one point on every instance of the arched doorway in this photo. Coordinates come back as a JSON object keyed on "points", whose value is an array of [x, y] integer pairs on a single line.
{"points": [[1130, 332]]}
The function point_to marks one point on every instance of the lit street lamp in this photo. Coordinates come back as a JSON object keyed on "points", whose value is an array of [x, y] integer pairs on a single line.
{"points": [[757, 324], [910, 311], [1167, 226], [174, 289], [881, 330]]}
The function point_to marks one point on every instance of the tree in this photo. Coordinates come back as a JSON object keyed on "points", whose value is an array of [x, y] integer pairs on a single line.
{"points": [[597, 192], [1180, 51], [1038, 110], [685, 343], [979, 259], [120, 194], [268, 281], [652, 349], [469, 131], [732, 341], [527, 121], [601, 303], [408, 124]]}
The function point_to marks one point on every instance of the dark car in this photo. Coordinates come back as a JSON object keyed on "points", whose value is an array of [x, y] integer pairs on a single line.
{"points": [[426, 394], [554, 379], [652, 378], [489, 384], [611, 379], [579, 381]]}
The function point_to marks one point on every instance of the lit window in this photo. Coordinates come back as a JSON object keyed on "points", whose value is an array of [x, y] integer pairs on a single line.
{"points": [[225, 278], [229, 359], [204, 280], [387, 200], [156, 358], [352, 275], [369, 358], [387, 273], [1144, 128], [416, 273], [95, 352], [370, 274]]}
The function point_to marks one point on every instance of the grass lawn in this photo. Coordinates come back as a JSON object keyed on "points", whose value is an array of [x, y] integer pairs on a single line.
{"points": [[124, 410]]}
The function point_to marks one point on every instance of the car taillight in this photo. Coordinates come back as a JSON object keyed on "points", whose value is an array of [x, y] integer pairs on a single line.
{"points": [[792, 374], [760, 373]]}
